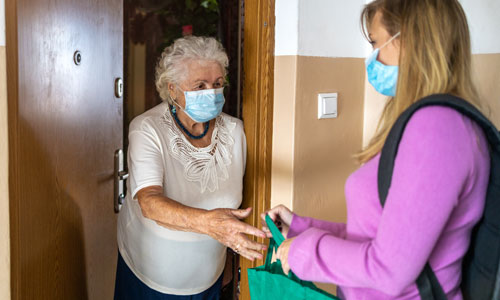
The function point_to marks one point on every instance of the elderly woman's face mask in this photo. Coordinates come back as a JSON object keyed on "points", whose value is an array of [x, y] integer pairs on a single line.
{"points": [[203, 105]]}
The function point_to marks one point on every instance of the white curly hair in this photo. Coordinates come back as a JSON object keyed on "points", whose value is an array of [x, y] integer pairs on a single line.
{"points": [[171, 67]]}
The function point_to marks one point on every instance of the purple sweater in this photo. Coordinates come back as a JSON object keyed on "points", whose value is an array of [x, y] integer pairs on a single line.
{"points": [[436, 197]]}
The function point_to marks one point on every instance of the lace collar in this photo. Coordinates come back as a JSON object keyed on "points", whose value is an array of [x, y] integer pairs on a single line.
{"points": [[205, 165]]}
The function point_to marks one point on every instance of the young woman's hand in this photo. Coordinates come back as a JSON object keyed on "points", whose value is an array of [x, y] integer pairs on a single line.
{"points": [[282, 254], [281, 216]]}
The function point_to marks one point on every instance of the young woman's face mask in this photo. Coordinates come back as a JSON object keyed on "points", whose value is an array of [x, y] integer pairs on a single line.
{"points": [[382, 77]]}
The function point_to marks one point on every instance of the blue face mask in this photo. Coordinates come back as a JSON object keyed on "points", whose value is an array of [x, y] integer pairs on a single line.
{"points": [[382, 77], [204, 105]]}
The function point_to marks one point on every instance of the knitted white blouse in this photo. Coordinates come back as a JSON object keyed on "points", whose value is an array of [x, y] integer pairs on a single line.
{"points": [[170, 261]]}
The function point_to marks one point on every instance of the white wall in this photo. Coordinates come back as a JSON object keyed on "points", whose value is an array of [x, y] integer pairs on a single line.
{"points": [[484, 22], [324, 28], [287, 27], [330, 28]]}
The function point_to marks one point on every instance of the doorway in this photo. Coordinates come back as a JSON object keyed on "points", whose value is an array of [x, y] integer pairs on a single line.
{"points": [[65, 121], [149, 27]]}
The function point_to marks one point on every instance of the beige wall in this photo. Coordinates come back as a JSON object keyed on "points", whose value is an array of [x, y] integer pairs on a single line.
{"points": [[486, 71], [285, 79], [312, 158], [4, 192], [324, 148]]}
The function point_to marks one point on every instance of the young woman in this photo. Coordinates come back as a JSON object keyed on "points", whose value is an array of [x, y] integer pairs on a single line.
{"points": [[440, 175]]}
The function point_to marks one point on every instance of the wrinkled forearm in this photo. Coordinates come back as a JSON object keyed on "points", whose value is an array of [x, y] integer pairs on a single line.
{"points": [[170, 213]]}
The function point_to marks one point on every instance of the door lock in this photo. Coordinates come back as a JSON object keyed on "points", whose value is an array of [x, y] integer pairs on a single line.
{"points": [[77, 57]]}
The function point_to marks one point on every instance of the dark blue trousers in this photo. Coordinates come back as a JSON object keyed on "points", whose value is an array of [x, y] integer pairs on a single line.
{"points": [[129, 287]]}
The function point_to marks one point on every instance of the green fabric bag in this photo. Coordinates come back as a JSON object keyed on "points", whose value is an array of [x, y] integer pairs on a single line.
{"points": [[269, 281]]}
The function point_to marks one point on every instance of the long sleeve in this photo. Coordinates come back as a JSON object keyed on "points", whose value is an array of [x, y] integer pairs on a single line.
{"points": [[436, 159], [301, 224]]}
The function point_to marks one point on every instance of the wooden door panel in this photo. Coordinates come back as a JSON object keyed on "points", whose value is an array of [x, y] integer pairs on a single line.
{"points": [[68, 125]]}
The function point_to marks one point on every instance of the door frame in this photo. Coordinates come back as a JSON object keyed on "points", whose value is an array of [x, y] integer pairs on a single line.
{"points": [[258, 93], [12, 111]]}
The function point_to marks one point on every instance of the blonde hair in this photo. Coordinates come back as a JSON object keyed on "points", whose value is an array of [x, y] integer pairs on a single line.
{"points": [[435, 56], [171, 67]]}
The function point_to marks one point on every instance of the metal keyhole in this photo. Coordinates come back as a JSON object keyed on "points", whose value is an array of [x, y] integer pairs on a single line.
{"points": [[77, 58], [118, 87]]}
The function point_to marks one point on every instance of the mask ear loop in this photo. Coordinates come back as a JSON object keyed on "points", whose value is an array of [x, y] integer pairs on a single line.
{"points": [[390, 40], [174, 110]]}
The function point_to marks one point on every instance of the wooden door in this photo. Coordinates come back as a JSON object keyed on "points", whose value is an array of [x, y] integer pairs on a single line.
{"points": [[64, 125]]}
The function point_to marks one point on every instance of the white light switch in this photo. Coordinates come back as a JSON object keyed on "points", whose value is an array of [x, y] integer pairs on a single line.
{"points": [[327, 106]]}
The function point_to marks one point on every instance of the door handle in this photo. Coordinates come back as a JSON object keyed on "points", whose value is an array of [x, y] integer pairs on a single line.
{"points": [[120, 175]]}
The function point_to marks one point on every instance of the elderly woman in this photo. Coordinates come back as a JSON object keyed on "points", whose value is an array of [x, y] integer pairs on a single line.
{"points": [[186, 161]]}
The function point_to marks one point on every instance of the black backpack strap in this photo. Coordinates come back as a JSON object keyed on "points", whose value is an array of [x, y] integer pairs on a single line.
{"points": [[390, 148], [427, 283]]}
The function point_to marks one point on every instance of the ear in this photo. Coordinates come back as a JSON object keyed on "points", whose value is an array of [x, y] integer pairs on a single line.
{"points": [[171, 90]]}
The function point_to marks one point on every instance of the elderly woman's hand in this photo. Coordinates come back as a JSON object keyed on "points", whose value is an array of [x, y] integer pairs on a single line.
{"points": [[224, 225]]}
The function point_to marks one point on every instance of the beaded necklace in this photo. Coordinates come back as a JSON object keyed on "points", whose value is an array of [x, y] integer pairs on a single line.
{"points": [[195, 137]]}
